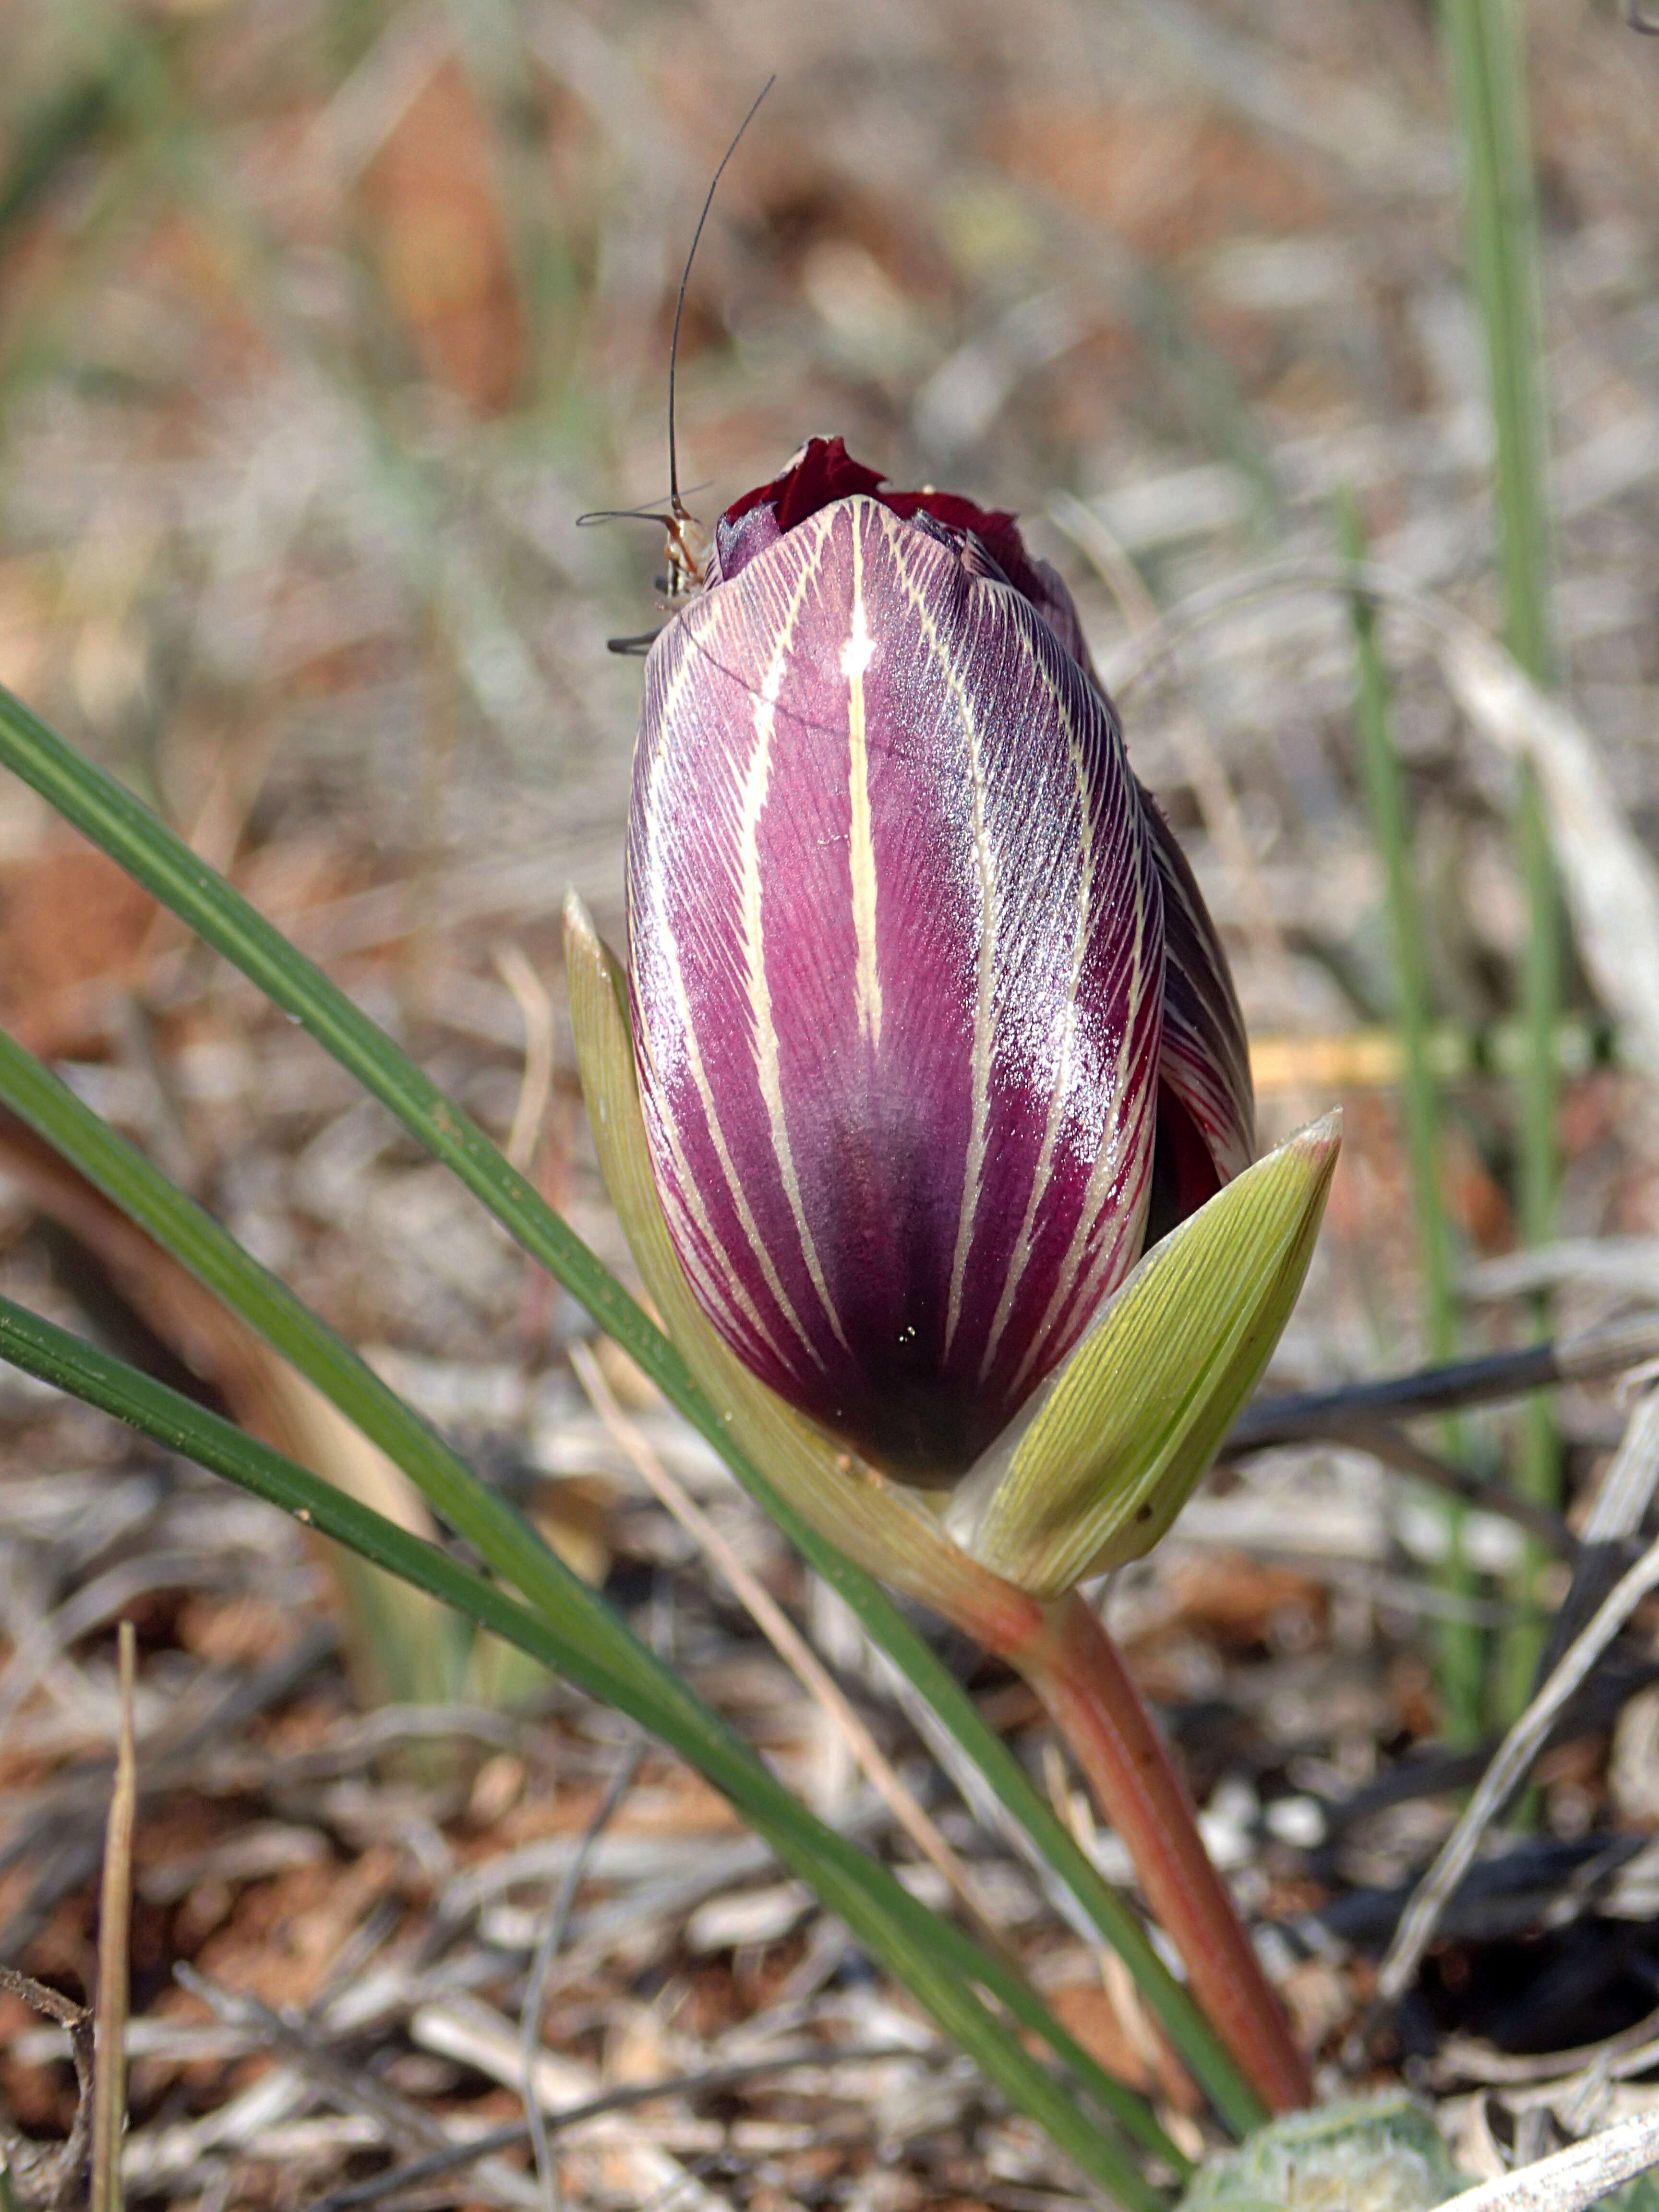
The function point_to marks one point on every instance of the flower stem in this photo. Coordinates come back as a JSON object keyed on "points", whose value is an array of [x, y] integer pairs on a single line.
{"points": [[1075, 1669]]}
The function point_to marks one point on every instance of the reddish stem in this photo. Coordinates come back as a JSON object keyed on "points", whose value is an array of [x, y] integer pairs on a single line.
{"points": [[1075, 1669]]}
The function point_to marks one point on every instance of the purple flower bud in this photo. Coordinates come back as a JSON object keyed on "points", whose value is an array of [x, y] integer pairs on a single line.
{"points": [[928, 1012]]}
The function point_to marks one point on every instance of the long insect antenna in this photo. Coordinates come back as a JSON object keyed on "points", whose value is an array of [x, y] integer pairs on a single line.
{"points": [[595, 515], [688, 546], [651, 512], [675, 506]]}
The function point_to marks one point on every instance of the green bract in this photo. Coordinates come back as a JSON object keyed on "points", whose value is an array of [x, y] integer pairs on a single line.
{"points": [[1096, 1473]]}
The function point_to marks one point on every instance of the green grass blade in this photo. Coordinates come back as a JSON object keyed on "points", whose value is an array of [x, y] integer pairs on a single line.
{"points": [[938, 1962], [507, 1542], [155, 857], [1385, 795], [67, 124], [1485, 50], [506, 1539], [1462, 1655], [1484, 43]]}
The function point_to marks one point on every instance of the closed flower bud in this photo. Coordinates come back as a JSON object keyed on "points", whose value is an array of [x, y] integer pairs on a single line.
{"points": [[933, 1033]]}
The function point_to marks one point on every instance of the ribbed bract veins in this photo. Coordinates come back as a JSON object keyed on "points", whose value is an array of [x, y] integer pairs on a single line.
{"points": [[898, 955]]}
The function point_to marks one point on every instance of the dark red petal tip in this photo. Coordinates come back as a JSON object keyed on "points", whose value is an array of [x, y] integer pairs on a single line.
{"points": [[823, 472]]}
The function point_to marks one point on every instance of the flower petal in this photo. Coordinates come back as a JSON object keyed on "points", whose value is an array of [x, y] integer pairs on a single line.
{"points": [[890, 1530], [898, 972], [1207, 1103]]}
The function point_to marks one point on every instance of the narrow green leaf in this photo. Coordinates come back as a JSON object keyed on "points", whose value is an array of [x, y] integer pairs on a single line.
{"points": [[1385, 796], [109, 815], [1134, 1417], [1485, 45], [1461, 1659], [935, 1959], [1486, 53]]}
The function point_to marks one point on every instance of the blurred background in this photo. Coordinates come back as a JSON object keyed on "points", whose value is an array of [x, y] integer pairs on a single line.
{"points": [[322, 321]]}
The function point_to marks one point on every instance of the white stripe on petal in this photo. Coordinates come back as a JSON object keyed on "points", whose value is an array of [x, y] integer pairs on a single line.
{"points": [[768, 1067], [664, 953], [984, 863], [856, 655], [684, 1184], [1128, 1145]]}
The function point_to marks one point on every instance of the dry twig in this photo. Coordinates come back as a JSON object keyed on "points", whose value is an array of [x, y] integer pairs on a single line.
{"points": [[541, 1967], [624, 2096], [53, 2177], [537, 1087], [1514, 1755], [351, 2088], [1573, 2179], [1315, 1413], [109, 2110], [1615, 1517]]}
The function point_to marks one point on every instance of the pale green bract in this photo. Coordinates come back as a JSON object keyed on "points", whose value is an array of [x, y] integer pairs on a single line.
{"points": [[1113, 1448]]}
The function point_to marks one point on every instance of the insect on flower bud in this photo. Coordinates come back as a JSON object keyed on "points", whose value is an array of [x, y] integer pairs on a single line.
{"points": [[933, 1033]]}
